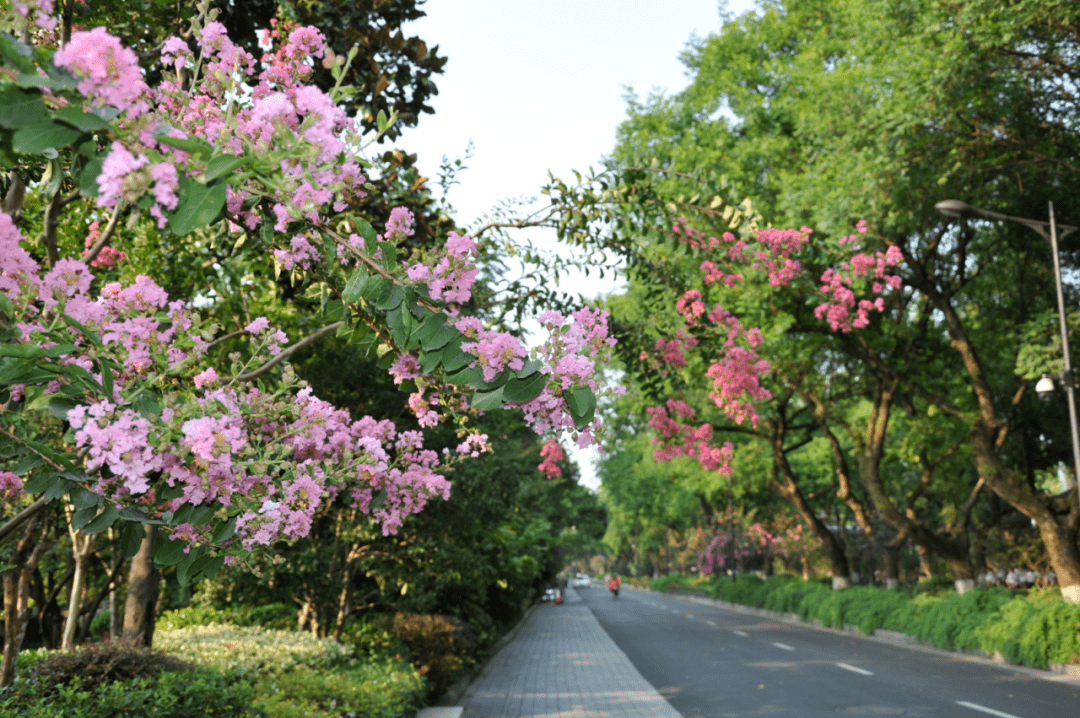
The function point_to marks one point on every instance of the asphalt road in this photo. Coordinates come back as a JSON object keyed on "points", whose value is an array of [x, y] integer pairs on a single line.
{"points": [[711, 662]]}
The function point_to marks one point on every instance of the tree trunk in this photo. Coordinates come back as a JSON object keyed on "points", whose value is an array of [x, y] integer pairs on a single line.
{"points": [[890, 566], [28, 553], [144, 582], [80, 550]]}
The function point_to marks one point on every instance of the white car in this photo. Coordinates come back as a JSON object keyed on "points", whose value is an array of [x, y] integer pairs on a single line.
{"points": [[581, 581]]}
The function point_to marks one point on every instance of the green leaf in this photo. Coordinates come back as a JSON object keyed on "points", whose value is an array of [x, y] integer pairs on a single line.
{"points": [[520, 391], [487, 400], [454, 358], [354, 287], [582, 403], [224, 532], [531, 367], [82, 121], [36, 139], [436, 332], [104, 520], [365, 230], [200, 206], [212, 566], [106, 377], [464, 377], [40, 482], [19, 109], [82, 498], [60, 350], [168, 493], [21, 350], [170, 553], [224, 165], [194, 515], [190, 565], [82, 516], [59, 406], [390, 297], [132, 534], [57, 488], [147, 406], [389, 255], [334, 310], [18, 53], [429, 361], [197, 147]]}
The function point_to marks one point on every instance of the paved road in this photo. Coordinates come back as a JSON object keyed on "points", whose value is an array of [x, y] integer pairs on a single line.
{"points": [[712, 662]]}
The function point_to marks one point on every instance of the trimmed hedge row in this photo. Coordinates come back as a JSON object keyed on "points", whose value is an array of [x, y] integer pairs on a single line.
{"points": [[1034, 628]]}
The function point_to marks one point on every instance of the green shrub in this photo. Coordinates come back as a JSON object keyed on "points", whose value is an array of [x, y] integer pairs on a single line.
{"points": [[1037, 629], [112, 684], [249, 650], [376, 688], [96, 664], [441, 646], [278, 616]]}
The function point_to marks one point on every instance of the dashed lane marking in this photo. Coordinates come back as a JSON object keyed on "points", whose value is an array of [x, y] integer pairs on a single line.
{"points": [[711, 623], [853, 669], [740, 633], [785, 646], [984, 709]]}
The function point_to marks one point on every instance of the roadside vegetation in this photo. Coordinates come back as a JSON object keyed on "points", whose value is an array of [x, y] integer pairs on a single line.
{"points": [[1032, 627]]}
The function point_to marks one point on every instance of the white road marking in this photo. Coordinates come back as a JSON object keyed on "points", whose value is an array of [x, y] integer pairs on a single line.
{"points": [[691, 616], [853, 669], [784, 646], [711, 623], [984, 709], [739, 633]]}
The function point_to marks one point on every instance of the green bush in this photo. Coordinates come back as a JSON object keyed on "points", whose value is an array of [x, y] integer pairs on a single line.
{"points": [[441, 646], [376, 688], [1035, 628], [104, 681], [278, 616], [249, 650]]}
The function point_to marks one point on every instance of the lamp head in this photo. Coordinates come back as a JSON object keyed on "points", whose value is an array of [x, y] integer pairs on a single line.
{"points": [[1045, 387], [953, 208]]}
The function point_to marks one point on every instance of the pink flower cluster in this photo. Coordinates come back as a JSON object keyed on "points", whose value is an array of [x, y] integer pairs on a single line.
{"points": [[109, 73], [838, 283], [670, 352], [449, 274], [276, 458], [108, 256], [551, 453], [675, 438], [40, 10]]}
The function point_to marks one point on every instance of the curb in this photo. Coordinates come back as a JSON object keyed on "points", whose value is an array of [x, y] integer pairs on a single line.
{"points": [[1056, 672], [448, 700]]}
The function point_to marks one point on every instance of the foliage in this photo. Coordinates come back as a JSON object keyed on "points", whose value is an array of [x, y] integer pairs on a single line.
{"points": [[251, 651], [108, 679], [1033, 628], [277, 616], [441, 647], [378, 687], [173, 694]]}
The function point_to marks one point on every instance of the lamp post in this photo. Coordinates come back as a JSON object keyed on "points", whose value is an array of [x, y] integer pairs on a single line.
{"points": [[1045, 385]]}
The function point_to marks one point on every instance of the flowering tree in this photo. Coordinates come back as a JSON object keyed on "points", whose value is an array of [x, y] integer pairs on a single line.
{"points": [[114, 400]]}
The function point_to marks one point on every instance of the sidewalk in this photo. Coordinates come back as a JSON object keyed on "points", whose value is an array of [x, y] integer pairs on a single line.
{"points": [[562, 664]]}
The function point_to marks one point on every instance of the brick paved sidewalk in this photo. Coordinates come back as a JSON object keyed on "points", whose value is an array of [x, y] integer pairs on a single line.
{"points": [[562, 664]]}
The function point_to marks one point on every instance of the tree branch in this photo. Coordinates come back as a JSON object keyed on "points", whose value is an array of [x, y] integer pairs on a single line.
{"points": [[106, 235], [286, 353]]}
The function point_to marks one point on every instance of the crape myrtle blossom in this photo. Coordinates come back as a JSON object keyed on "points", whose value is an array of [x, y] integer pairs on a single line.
{"points": [[551, 453], [272, 459], [737, 370], [152, 415]]}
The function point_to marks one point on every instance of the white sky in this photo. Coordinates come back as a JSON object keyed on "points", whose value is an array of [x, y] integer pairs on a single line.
{"points": [[538, 85]]}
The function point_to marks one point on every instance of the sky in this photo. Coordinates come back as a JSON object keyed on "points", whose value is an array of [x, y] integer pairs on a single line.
{"points": [[540, 85]]}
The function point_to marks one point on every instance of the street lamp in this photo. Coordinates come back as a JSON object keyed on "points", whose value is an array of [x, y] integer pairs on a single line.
{"points": [[1045, 385]]}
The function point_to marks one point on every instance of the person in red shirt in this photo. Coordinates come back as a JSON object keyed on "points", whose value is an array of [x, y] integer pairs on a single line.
{"points": [[613, 584]]}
